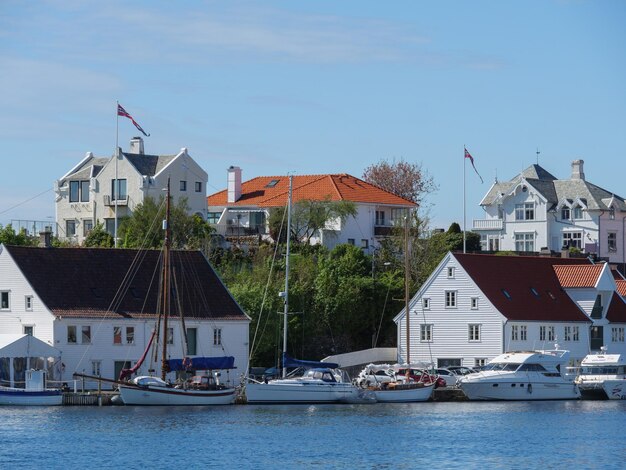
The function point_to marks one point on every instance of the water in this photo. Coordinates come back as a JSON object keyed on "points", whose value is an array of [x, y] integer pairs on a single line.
{"points": [[570, 434]]}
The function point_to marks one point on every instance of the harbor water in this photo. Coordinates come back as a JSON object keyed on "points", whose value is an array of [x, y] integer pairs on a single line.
{"points": [[567, 434]]}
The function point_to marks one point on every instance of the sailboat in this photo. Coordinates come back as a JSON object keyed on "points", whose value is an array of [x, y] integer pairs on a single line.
{"points": [[402, 388], [199, 390], [322, 382]]}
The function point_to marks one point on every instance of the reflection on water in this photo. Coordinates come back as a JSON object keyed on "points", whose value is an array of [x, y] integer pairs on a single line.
{"points": [[440, 435]]}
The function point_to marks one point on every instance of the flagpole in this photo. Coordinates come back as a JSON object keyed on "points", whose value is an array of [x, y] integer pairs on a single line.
{"points": [[464, 244], [115, 183]]}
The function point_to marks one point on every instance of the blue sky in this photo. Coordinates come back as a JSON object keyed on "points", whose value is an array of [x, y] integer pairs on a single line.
{"points": [[314, 87]]}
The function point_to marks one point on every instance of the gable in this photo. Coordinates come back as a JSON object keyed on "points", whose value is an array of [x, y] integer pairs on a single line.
{"points": [[617, 310]]}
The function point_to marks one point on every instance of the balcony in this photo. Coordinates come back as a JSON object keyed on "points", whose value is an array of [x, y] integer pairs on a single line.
{"points": [[111, 202], [488, 224]]}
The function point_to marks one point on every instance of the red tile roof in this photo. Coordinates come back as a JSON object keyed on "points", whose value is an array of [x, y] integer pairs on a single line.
{"points": [[523, 288], [578, 275], [340, 187], [83, 282], [621, 287], [617, 310]]}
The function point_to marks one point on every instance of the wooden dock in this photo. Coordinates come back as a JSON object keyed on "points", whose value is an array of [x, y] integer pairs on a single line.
{"points": [[88, 398]]}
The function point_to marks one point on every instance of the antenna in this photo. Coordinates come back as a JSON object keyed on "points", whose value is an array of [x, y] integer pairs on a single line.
{"points": [[537, 152]]}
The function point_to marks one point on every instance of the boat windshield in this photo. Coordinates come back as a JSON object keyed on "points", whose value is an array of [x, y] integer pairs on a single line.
{"points": [[324, 375], [502, 366], [602, 370], [532, 368]]}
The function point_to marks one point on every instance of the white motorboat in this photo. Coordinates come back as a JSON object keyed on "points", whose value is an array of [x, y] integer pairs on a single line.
{"points": [[390, 384], [533, 375], [602, 376], [34, 394]]}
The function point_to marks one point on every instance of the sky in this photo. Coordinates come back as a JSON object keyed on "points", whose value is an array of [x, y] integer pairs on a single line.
{"points": [[314, 87]]}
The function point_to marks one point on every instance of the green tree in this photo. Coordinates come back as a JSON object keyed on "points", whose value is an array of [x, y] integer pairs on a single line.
{"points": [[8, 236], [98, 237]]}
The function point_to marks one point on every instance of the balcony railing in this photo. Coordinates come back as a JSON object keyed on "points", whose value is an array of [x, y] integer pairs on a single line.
{"points": [[108, 201], [488, 224]]}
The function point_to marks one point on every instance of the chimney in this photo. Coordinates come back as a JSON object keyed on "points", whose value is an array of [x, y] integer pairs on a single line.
{"points": [[136, 145], [45, 238], [234, 184], [577, 170]]}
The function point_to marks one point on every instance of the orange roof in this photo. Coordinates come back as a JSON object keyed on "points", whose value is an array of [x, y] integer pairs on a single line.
{"points": [[621, 287], [272, 191], [578, 275]]}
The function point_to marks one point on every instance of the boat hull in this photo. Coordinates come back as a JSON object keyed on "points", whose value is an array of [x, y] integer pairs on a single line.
{"points": [[300, 393], [405, 395], [20, 397], [615, 389], [500, 390], [167, 396]]}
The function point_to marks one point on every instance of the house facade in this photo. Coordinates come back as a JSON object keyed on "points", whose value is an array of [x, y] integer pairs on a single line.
{"points": [[474, 307], [536, 211], [243, 208], [87, 195], [99, 307]]}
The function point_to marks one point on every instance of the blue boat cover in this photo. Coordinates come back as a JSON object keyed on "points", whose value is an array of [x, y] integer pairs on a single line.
{"points": [[202, 363], [289, 361]]}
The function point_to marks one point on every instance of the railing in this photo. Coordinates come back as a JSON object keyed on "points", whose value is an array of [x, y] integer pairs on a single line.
{"points": [[488, 224], [108, 201]]}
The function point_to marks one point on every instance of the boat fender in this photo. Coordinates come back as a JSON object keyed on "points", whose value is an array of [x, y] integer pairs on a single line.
{"points": [[529, 389]]}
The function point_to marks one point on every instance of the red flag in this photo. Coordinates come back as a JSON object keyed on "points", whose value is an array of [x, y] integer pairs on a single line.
{"points": [[122, 112], [467, 155]]}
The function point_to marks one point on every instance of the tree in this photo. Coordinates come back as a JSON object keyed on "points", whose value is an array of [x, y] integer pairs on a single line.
{"points": [[309, 217], [404, 179], [99, 237], [9, 237]]}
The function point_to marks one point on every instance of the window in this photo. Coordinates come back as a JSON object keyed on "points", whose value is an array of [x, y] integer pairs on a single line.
{"points": [[571, 333], [523, 332], [198, 186], [183, 185], [109, 226], [525, 242], [117, 335], [617, 334], [217, 336], [577, 212], [96, 368], [506, 294], [473, 332], [84, 191], [426, 333], [79, 191], [450, 273], [130, 335], [380, 217], [71, 334], [450, 299], [525, 211], [29, 330], [170, 336], [86, 335], [74, 191], [192, 341], [426, 303], [565, 213], [546, 333], [572, 239], [70, 228], [575, 333], [480, 361], [87, 227], [4, 300], [514, 333], [213, 217], [28, 301], [121, 193], [351, 241], [272, 183], [364, 243], [611, 241], [612, 213], [474, 303]]}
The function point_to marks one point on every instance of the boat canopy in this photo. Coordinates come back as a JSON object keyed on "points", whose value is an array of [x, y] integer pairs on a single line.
{"points": [[289, 361], [202, 363]]}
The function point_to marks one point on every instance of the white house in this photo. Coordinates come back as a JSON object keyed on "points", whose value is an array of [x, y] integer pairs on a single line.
{"points": [[243, 208], [474, 307], [86, 194], [98, 307], [535, 211]]}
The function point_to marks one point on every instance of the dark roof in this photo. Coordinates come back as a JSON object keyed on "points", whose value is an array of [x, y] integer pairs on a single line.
{"points": [[148, 165], [83, 282], [523, 288], [537, 172], [617, 310]]}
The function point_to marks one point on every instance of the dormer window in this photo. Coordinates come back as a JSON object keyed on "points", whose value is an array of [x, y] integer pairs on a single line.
{"points": [[612, 213], [565, 213], [577, 213]]}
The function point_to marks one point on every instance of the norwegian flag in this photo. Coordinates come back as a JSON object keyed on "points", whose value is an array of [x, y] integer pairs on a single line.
{"points": [[471, 159], [122, 112]]}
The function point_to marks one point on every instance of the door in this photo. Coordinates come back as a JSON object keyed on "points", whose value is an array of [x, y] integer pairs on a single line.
{"points": [[596, 338], [119, 365]]}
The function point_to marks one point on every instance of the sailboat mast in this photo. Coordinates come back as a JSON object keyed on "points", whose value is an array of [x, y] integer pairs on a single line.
{"points": [[406, 289], [166, 281], [286, 295]]}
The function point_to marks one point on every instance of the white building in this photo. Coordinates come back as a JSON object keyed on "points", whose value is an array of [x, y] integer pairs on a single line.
{"points": [[99, 313], [535, 211], [86, 194], [474, 307], [243, 208]]}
